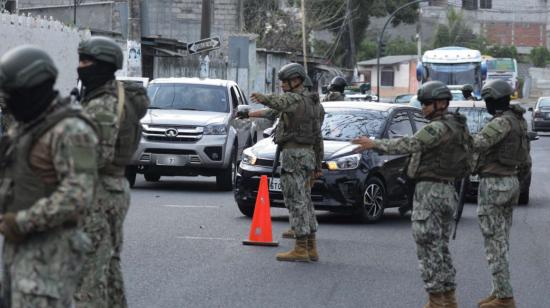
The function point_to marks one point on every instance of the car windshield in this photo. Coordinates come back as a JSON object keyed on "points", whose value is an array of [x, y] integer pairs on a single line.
{"points": [[477, 117], [188, 97], [347, 124]]}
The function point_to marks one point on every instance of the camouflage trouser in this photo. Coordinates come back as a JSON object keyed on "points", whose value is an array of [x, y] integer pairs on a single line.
{"points": [[496, 198], [102, 284], [43, 271], [93, 286], [117, 210], [297, 169], [432, 219]]}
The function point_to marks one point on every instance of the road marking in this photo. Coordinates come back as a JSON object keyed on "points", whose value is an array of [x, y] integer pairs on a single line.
{"points": [[191, 206], [205, 238]]}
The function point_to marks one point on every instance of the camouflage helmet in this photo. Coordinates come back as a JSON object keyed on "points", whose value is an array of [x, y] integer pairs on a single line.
{"points": [[103, 49], [26, 67], [338, 84], [434, 90], [467, 88], [292, 70], [496, 89]]}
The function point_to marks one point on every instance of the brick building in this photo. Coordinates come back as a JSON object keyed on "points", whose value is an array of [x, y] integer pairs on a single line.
{"points": [[523, 24]]}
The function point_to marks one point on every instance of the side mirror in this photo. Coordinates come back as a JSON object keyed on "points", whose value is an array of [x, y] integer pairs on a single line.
{"points": [[530, 109], [533, 136], [324, 89]]}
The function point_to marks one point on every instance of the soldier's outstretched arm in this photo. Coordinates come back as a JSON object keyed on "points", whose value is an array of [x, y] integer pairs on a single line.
{"points": [[73, 148], [102, 110], [491, 134], [285, 102], [426, 138]]}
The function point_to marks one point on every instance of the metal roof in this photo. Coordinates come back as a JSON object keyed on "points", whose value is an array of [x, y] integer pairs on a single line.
{"points": [[389, 60]]}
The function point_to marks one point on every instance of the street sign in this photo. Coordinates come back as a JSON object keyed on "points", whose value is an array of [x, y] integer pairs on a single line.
{"points": [[203, 45]]}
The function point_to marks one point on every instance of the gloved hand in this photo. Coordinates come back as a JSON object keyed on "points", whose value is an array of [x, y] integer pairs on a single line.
{"points": [[242, 114], [8, 227]]}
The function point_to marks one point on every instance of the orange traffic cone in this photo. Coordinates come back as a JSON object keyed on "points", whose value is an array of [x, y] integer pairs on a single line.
{"points": [[260, 231]]}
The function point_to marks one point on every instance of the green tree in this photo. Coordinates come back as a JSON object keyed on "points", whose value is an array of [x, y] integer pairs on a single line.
{"points": [[540, 56], [457, 33], [499, 51]]}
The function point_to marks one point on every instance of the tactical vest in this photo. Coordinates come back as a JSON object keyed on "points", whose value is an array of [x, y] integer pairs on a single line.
{"points": [[302, 125], [20, 186], [449, 160], [132, 106], [510, 152]]}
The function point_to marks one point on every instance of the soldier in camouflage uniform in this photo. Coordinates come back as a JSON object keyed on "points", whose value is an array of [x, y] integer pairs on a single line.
{"points": [[106, 103], [47, 175], [336, 90], [440, 156], [467, 91], [503, 146], [299, 135]]}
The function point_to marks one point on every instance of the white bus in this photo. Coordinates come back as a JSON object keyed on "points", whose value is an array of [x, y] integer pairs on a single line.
{"points": [[454, 66], [505, 69]]}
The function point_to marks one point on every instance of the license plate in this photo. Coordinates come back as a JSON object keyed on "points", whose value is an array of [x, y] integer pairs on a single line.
{"points": [[274, 184], [474, 178], [172, 160]]}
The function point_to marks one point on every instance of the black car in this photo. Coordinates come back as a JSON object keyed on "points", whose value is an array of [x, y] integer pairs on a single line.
{"points": [[363, 184], [478, 117]]}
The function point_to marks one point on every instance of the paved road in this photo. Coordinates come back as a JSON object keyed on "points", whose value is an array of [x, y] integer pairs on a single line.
{"points": [[183, 249]]}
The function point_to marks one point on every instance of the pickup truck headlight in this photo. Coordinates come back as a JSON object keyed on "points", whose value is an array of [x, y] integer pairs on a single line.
{"points": [[345, 163], [248, 157], [215, 129]]}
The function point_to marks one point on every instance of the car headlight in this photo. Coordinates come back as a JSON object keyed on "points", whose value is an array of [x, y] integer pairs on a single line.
{"points": [[344, 163], [215, 129], [248, 157]]}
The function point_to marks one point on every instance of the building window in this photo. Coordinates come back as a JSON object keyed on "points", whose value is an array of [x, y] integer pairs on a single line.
{"points": [[387, 78], [485, 4], [469, 4]]}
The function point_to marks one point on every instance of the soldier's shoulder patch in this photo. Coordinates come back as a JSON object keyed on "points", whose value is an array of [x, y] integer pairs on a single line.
{"points": [[496, 127], [431, 132]]}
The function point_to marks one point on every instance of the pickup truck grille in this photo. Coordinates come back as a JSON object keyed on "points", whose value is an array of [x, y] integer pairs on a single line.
{"points": [[172, 133]]}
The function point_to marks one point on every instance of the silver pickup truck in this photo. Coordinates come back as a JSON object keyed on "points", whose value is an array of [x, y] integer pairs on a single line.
{"points": [[190, 129]]}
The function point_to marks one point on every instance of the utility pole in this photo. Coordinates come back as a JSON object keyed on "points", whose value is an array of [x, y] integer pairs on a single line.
{"points": [[349, 15], [304, 34], [134, 39], [206, 18]]}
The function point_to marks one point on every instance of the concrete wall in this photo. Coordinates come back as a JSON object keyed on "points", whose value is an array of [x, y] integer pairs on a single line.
{"points": [[180, 19], [268, 64], [58, 40], [404, 79], [94, 15], [540, 82]]}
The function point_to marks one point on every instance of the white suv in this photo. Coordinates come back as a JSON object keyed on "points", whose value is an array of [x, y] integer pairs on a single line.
{"points": [[190, 129]]}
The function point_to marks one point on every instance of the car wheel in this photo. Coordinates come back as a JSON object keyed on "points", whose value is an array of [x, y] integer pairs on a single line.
{"points": [[246, 209], [374, 201], [151, 177], [226, 179], [524, 198], [130, 173]]}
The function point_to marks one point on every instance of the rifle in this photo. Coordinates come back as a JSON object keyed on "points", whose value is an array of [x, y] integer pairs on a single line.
{"points": [[460, 207], [276, 160]]}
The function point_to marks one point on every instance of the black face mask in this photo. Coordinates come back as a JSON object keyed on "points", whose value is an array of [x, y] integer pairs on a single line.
{"points": [[497, 106], [96, 75], [27, 104]]}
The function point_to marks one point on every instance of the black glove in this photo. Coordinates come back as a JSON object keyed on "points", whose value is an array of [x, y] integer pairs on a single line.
{"points": [[242, 114]]}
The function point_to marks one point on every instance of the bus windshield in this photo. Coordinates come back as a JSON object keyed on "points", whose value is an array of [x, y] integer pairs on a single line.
{"points": [[503, 65], [454, 74]]}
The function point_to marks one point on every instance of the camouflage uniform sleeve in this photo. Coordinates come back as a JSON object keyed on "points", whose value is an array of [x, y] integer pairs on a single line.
{"points": [[73, 150], [426, 138], [103, 112], [318, 146], [286, 102], [271, 114], [491, 134]]}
